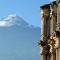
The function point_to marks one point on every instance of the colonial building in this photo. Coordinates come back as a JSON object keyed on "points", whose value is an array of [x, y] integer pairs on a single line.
{"points": [[50, 39]]}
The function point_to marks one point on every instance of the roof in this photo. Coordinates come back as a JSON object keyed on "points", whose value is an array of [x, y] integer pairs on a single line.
{"points": [[53, 3], [48, 5], [45, 6]]}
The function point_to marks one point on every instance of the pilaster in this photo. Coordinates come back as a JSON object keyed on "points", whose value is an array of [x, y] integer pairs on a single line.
{"points": [[53, 15], [45, 10], [57, 46]]}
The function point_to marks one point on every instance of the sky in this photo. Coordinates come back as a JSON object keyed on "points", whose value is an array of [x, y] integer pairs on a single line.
{"points": [[29, 10], [10, 41]]}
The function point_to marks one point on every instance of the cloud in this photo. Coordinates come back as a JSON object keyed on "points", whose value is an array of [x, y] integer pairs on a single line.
{"points": [[11, 20]]}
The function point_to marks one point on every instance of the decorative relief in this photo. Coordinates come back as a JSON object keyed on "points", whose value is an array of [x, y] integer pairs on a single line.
{"points": [[44, 47], [57, 42], [52, 45]]}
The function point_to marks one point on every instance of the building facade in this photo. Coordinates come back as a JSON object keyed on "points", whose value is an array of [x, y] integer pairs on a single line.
{"points": [[50, 39]]}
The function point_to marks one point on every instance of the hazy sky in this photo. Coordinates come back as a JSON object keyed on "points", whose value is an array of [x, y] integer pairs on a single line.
{"points": [[27, 9]]}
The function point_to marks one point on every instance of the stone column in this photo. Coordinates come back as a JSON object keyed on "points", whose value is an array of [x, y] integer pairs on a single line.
{"points": [[43, 57], [48, 56], [52, 50], [58, 54], [57, 46], [58, 50], [45, 54], [45, 12], [53, 56], [44, 50], [58, 16], [53, 15]]}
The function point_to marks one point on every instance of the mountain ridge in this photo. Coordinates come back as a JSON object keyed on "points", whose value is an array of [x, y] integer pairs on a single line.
{"points": [[14, 19], [19, 42]]}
